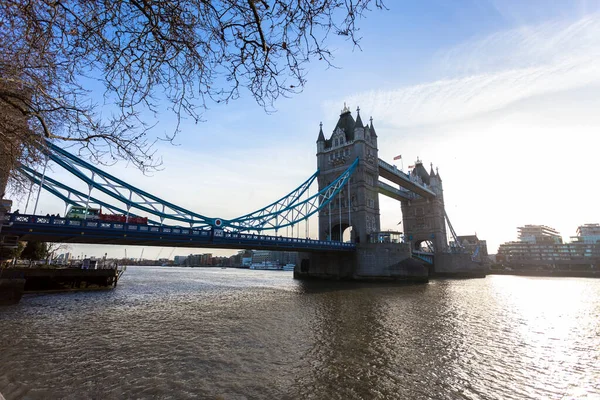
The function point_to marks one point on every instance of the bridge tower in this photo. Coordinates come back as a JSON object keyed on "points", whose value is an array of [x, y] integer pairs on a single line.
{"points": [[358, 209], [424, 219]]}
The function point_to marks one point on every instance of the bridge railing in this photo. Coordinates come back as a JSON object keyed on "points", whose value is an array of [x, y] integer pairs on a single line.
{"points": [[82, 223], [282, 239], [209, 234]]}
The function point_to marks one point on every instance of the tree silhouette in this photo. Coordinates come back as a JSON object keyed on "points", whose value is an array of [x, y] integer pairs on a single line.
{"points": [[34, 251]]}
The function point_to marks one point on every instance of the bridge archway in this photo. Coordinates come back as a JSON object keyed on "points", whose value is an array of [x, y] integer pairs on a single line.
{"points": [[348, 233], [424, 245]]}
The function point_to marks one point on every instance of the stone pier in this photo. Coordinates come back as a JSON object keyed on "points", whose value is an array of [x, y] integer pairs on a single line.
{"points": [[370, 262], [452, 265]]}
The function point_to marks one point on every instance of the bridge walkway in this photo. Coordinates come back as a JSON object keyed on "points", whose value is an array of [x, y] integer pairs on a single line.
{"points": [[56, 229], [393, 174]]}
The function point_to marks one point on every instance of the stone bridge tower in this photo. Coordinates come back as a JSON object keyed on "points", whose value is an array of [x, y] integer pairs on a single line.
{"points": [[424, 219], [350, 139]]}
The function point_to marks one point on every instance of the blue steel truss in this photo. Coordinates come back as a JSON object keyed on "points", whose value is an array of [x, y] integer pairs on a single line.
{"points": [[289, 210], [123, 192], [71, 196], [287, 213]]}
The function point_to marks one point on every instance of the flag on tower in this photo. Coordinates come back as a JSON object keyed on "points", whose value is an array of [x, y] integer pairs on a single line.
{"points": [[398, 157]]}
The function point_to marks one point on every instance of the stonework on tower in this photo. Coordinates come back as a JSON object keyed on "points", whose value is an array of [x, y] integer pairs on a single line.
{"points": [[424, 219], [358, 205], [418, 252]]}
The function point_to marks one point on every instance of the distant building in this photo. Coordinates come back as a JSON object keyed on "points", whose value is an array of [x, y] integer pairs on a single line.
{"points": [[475, 246], [199, 260], [542, 246], [588, 233], [261, 256], [539, 234], [179, 260], [63, 258], [273, 257]]}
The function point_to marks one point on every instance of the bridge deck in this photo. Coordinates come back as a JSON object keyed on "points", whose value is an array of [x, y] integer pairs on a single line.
{"points": [[54, 229]]}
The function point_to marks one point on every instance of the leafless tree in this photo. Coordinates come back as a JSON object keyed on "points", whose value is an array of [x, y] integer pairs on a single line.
{"points": [[55, 248], [148, 55]]}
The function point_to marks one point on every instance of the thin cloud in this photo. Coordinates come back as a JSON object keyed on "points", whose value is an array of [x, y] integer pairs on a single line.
{"points": [[494, 72]]}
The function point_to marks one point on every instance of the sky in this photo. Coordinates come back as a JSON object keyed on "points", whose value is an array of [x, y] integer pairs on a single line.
{"points": [[502, 96]]}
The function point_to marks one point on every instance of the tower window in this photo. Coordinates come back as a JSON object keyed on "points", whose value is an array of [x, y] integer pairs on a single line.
{"points": [[336, 142]]}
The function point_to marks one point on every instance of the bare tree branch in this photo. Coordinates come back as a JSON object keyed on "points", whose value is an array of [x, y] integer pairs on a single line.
{"points": [[148, 54]]}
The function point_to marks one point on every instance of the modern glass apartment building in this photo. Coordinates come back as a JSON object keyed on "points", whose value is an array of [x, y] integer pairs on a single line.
{"points": [[542, 245]]}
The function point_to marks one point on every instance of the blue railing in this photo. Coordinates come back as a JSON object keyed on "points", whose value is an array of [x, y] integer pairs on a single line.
{"points": [[215, 236], [423, 256]]}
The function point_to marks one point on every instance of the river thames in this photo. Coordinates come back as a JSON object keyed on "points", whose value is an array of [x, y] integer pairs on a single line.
{"points": [[173, 333]]}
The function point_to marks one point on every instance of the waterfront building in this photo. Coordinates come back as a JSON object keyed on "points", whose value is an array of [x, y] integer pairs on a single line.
{"points": [[540, 245], [260, 256], [179, 260], [539, 234], [273, 257], [196, 260], [588, 233]]}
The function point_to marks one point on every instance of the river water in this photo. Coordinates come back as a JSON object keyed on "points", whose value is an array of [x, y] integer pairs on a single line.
{"points": [[171, 333]]}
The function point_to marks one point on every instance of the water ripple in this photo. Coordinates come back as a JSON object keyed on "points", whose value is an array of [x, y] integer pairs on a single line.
{"points": [[233, 334]]}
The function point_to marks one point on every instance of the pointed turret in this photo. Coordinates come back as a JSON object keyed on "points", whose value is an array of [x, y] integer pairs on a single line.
{"points": [[431, 172], [358, 123], [360, 131], [321, 137], [438, 174], [372, 129], [421, 172], [321, 142]]}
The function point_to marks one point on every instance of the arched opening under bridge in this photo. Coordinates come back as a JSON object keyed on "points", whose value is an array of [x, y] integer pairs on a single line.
{"points": [[424, 245], [347, 233]]}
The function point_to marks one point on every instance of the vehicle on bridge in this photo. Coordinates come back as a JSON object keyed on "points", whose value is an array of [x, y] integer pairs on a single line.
{"points": [[95, 214]]}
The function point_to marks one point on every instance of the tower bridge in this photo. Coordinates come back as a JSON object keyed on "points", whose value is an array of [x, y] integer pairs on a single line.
{"points": [[347, 200]]}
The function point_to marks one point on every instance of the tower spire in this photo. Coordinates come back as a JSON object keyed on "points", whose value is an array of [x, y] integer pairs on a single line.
{"points": [[371, 128], [359, 123], [345, 109], [321, 137]]}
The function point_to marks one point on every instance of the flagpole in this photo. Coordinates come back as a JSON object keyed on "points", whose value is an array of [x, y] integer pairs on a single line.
{"points": [[399, 157]]}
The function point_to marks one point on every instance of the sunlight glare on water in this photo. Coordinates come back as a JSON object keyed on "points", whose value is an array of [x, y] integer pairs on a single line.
{"points": [[170, 333]]}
